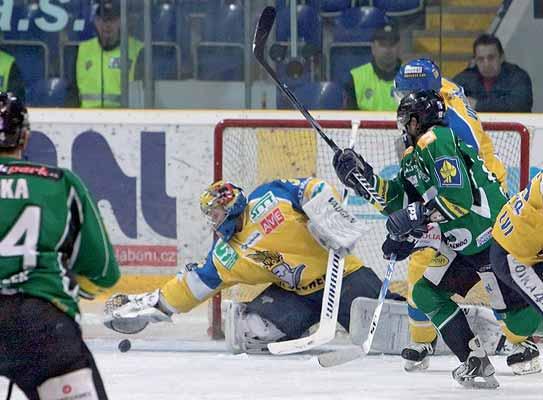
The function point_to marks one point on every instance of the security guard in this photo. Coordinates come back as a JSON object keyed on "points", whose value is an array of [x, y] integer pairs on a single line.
{"points": [[372, 83], [98, 66]]}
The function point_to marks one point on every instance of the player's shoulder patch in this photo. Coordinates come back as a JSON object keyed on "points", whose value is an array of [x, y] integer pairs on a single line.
{"points": [[426, 139], [42, 171], [448, 171], [225, 254], [408, 151]]}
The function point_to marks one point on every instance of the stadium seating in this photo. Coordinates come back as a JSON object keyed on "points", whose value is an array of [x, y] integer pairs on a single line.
{"points": [[31, 58], [352, 35], [399, 8], [358, 24], [315, 95], [24, 28], [221, 53], [166, 61], [220, 62], [335, 5], [308, 23], [164, 23], [48, 93]]}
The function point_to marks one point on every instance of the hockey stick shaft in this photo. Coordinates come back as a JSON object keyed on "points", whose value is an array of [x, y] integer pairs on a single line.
{"points": [[330, 299], [343, 356], [263, 29]]}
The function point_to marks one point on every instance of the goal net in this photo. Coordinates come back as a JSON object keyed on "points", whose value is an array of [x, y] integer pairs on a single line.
{"points": [[250, 152]]}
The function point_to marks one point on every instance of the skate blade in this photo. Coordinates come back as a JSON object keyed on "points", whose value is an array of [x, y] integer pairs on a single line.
{"points": [[416, 366], [527, 367], [488, 382]]}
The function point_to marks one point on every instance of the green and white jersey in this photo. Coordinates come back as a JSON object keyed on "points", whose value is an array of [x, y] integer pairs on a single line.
{"points": [[446, 170], [50, 235]]}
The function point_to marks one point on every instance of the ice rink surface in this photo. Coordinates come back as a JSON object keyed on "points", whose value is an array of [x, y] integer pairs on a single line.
{"points": [[175, 362]]}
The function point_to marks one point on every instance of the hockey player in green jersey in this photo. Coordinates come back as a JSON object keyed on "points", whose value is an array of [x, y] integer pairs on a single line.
{"points": [[53, 249], [442, 185]]}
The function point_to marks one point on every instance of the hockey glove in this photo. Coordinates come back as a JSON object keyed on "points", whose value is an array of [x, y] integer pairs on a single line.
{"points": [[402, 249], [347, 164], [410, 221]]}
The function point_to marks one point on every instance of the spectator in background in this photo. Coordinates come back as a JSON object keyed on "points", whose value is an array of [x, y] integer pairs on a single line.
{"points": [[10, 76], [98, 65], [371, 85], [493, 84]]}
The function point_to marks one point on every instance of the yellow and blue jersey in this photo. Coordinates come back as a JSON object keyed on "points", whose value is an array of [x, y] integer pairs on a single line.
{"points": [[465, 123], [273, 246], [518, 226]]}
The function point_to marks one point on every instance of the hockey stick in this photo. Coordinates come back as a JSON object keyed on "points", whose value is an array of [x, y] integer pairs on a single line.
{"points": [[342, 356], [263, 29], [331, 295]]}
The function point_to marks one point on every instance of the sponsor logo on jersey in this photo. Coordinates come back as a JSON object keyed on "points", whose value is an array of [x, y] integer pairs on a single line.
{"points": [[458, 239], [226, 255], [253, 239], [439, 261], [448, 172], [272, 221], [525, 277], [484, 237], [262, 206], [34, 170], [274, 262]]}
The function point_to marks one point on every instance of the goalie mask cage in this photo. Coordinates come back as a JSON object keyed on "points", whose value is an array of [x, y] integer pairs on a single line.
{"points": [[250, 152]]}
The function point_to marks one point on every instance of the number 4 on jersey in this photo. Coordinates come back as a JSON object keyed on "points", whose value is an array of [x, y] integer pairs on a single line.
{"points": [[22, 238]]}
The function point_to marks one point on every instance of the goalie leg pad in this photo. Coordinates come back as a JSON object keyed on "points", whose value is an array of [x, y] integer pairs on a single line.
{"points": [[248, 332], [392, 333], [73, 385]]}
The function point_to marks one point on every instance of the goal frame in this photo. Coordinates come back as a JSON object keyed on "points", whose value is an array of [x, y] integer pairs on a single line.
{"points": [[215, 330]]}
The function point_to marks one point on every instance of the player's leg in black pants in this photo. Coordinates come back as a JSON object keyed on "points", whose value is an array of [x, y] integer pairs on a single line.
{"points": [[294, 314], [38, 342]]}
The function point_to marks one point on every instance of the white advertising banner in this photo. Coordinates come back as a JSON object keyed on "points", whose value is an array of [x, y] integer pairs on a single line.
{"points": [[146, 169]]}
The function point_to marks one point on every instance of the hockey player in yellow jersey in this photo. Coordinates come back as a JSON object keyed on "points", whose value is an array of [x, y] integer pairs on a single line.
{"points": [[517, 259], [424, 74], [264, 238]]}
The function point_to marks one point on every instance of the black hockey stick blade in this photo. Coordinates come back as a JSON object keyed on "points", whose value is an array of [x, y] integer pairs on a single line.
{"points": [[263, 29]]}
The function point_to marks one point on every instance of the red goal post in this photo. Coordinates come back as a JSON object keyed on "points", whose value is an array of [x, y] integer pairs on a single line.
{"points": [[249, 152]]}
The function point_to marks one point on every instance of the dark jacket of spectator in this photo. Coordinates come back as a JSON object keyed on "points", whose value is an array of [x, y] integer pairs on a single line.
{"points": [[510, 92]]}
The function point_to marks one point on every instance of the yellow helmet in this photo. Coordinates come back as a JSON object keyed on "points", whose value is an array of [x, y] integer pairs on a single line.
{"points": [[230, 199]]}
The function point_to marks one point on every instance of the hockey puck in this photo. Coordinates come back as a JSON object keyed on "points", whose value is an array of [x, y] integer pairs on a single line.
{"points": [[124, 345]]}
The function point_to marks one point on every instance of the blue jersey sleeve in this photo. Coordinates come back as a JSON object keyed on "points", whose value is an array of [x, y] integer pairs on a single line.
{"points": [[290, 190], [462, 128]]}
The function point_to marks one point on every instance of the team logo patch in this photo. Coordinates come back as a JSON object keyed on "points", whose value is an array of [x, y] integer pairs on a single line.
{"points": [[448, 172], [275, 263], [272, 221], [262, 206], [226, 255]]}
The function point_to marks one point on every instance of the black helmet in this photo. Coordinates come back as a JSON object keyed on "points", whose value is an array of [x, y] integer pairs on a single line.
{"points": [[427, 106], [13, 118]]}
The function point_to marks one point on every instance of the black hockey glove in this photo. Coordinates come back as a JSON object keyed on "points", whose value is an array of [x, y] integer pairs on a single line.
{"points": [[402, 249], [347, 163], [410, 221]]}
